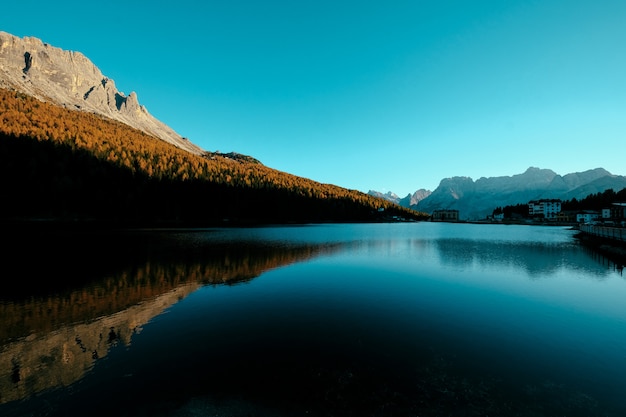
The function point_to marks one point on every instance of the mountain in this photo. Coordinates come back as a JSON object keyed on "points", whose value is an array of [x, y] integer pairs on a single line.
{"points": [[70, 79], [415, 198], [408, 201], [74, 148], [393, 197], [66, 165], [477, 199]]}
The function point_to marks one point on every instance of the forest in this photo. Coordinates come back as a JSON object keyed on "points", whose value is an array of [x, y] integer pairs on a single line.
{"points": [[62, 164], [595, 202]]}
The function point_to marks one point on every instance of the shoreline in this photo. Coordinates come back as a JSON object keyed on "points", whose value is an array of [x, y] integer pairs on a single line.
{"points": [[614, 250]]}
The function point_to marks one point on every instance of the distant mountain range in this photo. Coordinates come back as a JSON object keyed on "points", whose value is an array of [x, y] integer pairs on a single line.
{"points": [[70, 79], [477, 199], [411, 200]]}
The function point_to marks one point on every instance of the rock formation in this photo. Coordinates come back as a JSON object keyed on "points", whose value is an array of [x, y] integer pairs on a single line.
{"points": [[477, 199], [70, 79]]}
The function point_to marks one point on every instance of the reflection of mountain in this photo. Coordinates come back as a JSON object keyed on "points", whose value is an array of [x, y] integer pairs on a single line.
{"points": [[535, 258], [62, 356], [111, 285]]}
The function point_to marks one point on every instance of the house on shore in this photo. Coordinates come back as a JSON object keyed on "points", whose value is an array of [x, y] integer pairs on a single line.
{"points": [[587, 216], [546, 208], [445, 216], [614, 215], [618, 211]]}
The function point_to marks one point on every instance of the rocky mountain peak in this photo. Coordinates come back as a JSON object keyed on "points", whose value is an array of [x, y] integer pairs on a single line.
{"points": [[477, 199], [418, 196], [70, 79], [409, 201]]}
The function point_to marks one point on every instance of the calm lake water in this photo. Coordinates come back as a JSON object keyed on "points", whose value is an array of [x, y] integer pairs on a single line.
{"points": [[404, 319]]}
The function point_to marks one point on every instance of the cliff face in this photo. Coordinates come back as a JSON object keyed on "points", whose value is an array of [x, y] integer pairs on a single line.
{"points": [[70, 79]]}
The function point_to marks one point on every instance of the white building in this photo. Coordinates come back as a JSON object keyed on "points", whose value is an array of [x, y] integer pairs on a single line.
{"points": [[546, 208]]}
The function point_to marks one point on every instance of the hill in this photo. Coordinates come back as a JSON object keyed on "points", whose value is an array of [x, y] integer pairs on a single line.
{"points": [[73, 147], [64, 164]]}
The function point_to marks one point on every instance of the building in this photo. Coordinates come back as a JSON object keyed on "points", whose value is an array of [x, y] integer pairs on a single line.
{"points": [[566, 217], [587, 216], [547, 209], [618, 211], [445, 216]]}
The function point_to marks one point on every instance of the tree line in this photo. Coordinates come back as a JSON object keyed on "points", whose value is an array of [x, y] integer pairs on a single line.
{"points": [[66, 164], [595, 201]]}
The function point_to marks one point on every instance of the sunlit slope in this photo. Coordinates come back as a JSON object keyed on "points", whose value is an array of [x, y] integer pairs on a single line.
{"points": [[64, 164]]}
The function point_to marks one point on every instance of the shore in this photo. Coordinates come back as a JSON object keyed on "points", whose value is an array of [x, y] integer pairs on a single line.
{"points": [[612, 249]]}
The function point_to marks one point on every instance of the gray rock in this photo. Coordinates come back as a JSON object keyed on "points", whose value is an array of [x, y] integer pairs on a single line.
{"points": [[70, 79]]}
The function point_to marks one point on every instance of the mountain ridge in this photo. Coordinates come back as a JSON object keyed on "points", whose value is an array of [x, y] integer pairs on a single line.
{"points": [[477, 199], [78, 168], [70, 79]]}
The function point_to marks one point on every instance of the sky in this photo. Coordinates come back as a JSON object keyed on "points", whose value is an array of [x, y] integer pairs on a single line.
{"points": [[389, 96]]}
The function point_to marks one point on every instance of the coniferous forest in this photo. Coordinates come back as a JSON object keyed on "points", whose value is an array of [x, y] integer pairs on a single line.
{"points": [[69, 165], [594, 201]]}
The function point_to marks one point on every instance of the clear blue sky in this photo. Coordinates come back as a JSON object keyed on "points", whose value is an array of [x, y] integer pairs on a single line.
{"points": [[389, 96]]}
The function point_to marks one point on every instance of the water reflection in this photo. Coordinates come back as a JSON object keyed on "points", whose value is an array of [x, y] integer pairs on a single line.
{"points": [[536, 258], [409, 319], [45, 360], [110, 288]]}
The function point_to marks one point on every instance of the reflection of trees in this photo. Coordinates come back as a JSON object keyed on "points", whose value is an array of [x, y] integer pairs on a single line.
{"points": [[88, 292], [80, 277], [534, 257], [60, 357]]}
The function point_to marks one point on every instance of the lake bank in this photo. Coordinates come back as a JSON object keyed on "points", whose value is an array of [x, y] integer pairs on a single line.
{"points": [[612, 249]]}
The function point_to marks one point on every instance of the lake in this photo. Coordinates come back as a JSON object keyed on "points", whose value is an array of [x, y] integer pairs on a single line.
{"points": [[398, 319]]}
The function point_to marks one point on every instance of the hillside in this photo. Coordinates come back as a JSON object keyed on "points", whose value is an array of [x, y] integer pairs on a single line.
{"points": [[71, 165], [71, 80]]}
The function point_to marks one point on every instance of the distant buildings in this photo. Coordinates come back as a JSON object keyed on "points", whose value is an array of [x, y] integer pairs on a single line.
{"points": [[616, 214], [548, 209], [499, 217], [445, 216], [618, 211], [587, 216]]}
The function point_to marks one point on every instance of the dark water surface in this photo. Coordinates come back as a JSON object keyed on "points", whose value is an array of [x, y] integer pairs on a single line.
{"points": [[408, 319]]}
